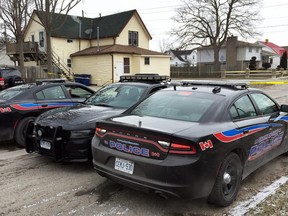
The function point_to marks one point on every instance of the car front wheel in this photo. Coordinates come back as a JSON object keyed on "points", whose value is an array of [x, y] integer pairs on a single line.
{"points": [[228, 181], [20, 132]]}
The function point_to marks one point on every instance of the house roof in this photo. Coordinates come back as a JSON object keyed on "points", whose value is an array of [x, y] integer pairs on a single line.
{"points": [[238, 44], [178, 53], [73, 27], [279, 50], [116, 48]]}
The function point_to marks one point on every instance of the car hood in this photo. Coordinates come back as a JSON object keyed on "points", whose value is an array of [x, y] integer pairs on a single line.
{"points": [[77, 117]]}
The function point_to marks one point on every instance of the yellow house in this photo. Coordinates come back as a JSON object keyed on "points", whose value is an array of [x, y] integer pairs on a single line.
{"points": [[104, 47]]}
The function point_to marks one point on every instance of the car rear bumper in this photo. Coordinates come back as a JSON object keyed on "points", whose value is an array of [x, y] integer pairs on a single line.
{"points": [[177, 176]]}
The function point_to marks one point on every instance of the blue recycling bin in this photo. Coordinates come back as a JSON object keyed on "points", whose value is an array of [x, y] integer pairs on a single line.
{"points": [[83, 78]]}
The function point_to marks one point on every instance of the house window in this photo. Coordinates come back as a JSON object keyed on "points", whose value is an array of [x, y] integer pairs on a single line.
{"points": [[69, 62], [32, 38], [41, 39], [126, 65], [147, 61], [133, 38], [257, 50], [250, 49], [69, 41]]}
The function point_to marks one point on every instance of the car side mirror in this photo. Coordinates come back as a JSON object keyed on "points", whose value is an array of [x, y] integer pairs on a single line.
{"points": [[284, 108]]}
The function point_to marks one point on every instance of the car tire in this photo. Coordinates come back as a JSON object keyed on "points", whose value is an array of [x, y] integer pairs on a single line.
{"points": [[20, 132], [228, 181]]}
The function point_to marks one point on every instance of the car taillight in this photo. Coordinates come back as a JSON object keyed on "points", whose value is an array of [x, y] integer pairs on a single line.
{"points": [[2, 82], [179, 148], [100, 132]]}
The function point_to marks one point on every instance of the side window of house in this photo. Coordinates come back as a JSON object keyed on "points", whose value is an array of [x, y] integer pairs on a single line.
{"points": [[69, 63], [133, 38], [55, 92], [242, 108], [32, 38], [126, 65], [264, 103], [41, 39], [147, 61]]}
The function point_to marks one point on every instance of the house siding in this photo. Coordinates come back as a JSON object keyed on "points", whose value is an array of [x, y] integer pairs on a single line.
{"points": [[98, 66]]}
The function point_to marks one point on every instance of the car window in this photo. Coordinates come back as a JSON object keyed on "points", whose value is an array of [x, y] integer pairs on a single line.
{"points": [[78, 91], [10, 72], [177, 105], [11, 93], [242, 108], [264, 103], [55, 92], [122, 96]]}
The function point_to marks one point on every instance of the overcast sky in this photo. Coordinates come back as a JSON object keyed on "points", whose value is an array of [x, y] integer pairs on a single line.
{"points": [[156, 14]]}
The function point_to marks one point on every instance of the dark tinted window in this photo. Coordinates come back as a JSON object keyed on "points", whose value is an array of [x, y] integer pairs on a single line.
{"points": [[11, 93], [264, 103], [242, 108], [55, 92], [122, 96], [77, 91], [177, 105], [9, 73]]}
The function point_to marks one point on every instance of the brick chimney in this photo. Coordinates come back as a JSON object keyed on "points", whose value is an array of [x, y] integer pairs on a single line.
{"points": [[231, 53]]}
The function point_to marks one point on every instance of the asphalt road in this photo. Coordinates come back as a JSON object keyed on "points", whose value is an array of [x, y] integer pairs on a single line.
{"points": [[31, 184]]}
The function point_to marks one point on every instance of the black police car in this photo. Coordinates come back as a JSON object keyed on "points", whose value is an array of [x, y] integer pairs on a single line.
{"points": [[197, 140], [22, 103], [9, 77], [66, 133]]}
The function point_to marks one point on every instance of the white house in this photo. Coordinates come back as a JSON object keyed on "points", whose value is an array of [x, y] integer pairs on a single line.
{"points": [[181, 58], [234, 55]]}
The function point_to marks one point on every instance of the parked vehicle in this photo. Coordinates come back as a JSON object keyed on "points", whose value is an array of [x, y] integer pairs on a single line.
{"points": [[9, 77], [197, 140], [65, 134], [22, 103]]}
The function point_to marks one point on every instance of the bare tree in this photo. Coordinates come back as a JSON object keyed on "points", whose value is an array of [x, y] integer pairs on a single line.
{"points": [[51, 7], [215, 20], [165, 45], [14, 14]]}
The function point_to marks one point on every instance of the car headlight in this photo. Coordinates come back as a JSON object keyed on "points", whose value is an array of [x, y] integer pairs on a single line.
{"points": [[82, 133]]}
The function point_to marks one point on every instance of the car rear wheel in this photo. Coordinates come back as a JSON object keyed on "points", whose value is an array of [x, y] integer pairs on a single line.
{"points": [[227, 182], [20, 132]]}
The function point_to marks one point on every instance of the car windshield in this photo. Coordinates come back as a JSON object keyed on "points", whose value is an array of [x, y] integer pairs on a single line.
{"points": [[122, 96], [177, 105], [12, 92]]}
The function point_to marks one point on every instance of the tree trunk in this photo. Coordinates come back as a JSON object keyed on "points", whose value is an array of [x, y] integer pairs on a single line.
{"points": [[49, 52], [217, 64]]}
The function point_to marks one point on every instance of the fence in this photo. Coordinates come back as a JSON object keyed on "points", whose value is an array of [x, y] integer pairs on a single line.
{"points": [[208, 72], [248, 74]]}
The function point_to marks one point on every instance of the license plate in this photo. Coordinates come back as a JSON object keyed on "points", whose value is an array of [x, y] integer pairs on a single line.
{"points": [[124, 165], [45, 144]]}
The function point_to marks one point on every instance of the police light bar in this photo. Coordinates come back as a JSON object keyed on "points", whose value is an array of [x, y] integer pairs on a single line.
{"points": [[143, 77], [236, 85]]}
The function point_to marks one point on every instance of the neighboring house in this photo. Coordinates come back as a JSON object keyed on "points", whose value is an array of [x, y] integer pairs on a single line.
{"points": [[272, 53], [234, 55], [182, 58], [104, 47], [4, 59]]}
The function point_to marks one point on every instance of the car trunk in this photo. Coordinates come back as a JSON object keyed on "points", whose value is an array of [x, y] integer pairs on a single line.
{"points": [[145, 136]]}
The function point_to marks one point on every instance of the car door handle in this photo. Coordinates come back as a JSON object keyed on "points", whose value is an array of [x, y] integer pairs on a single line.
{"points": [[245, 131], [44, 105]]}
